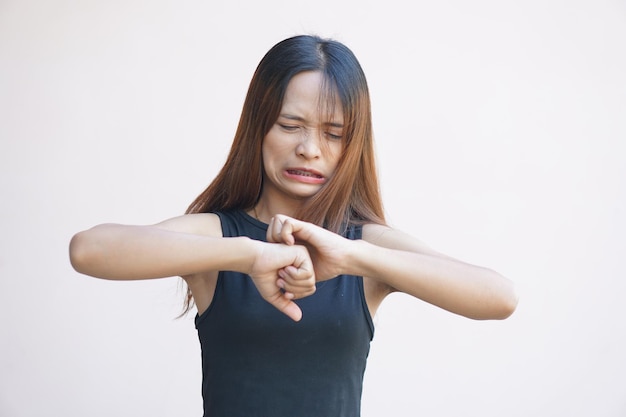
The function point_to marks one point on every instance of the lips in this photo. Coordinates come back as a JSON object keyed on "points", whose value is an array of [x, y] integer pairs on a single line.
{"points": [[305, 173]]}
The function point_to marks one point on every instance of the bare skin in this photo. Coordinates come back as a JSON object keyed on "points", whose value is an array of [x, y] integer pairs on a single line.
{"points": [[299, 255], [392, 261], [300, 153]]}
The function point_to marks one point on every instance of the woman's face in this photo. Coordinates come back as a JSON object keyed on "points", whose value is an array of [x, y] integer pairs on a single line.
{"points": [[303, 147]]}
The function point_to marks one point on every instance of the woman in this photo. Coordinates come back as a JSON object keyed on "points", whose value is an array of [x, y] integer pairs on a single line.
{"points": [[286, 254]]}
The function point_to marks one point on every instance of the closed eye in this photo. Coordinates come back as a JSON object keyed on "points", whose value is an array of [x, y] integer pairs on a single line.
{"points": [[333, 136], [289, 128]]}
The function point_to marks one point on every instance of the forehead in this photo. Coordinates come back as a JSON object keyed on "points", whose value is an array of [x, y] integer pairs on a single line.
{"points": [[308, 96]]}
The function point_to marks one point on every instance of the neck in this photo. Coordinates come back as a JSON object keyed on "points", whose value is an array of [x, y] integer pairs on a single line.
{"points": [[266, 208]]}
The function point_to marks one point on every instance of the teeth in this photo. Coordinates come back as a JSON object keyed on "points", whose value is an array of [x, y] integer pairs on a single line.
{"points": [[304, 173]]}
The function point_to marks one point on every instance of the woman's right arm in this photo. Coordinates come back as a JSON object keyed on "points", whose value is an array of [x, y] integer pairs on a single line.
{"points": [[180, 246], [189, 245]]}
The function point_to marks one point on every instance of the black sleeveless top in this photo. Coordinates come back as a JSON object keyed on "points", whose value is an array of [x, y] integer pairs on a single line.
{"points": [[257, 362]]}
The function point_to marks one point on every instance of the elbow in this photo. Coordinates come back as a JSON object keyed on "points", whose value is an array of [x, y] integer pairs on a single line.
{"points": [[508, 299], [512, 302], [82, 252], [507, 308], [77, 252], [498, 301]]}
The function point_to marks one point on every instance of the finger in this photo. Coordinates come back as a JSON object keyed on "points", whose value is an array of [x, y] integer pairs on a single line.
{"points": [[287, 231], [296, 275], [297, 229], [296, 283], [281, 230], [302, 260], [270, 231], [293, 311], [274, 232], [286, 306], [294, 293]]}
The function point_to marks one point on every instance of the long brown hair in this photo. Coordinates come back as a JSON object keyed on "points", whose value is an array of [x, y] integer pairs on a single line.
{"points": [[352, 195]]}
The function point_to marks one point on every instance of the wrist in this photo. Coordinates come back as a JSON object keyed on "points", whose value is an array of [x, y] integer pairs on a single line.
{"points": [[358, 253], [241, 252]]}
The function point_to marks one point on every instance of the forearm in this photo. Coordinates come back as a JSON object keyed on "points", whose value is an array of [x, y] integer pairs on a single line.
{"points": [[140, 252], [455, 286]]}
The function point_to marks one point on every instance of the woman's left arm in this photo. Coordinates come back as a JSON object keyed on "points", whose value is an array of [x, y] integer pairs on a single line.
{"points": [[402, 263]]}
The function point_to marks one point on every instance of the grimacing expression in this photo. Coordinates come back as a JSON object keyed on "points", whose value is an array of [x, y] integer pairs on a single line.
{"points": [[302, 149]]}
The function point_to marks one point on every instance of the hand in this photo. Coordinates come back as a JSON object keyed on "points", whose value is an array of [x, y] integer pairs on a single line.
{"points": [[283, 273], [328, 250]]}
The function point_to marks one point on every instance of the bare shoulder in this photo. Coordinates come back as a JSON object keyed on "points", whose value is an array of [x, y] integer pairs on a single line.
{"points": [[206, 224]]}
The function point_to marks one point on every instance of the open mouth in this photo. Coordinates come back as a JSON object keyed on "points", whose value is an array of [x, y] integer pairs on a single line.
{"points": [[304, 173]]}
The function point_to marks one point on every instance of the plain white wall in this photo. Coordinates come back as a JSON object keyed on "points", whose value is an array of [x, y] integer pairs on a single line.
{"points": [[500, 130]]}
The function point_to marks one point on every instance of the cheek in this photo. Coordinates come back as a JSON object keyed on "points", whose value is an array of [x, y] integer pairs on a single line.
{"points": [[276, 146], [265, 152], [335, 152], [271, 150]]}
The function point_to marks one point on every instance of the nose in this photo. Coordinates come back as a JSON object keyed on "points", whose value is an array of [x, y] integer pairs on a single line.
{"points": [[309, 145]]}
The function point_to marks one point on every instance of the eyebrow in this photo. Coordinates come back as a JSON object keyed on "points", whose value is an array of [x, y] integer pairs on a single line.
{"points": [[301, 119]]}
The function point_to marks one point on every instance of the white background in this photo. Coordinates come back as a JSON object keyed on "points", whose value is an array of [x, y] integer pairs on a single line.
{"points": [[499, 128]]}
